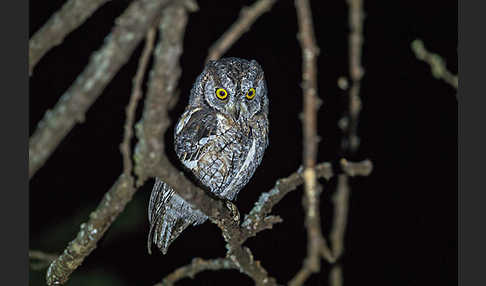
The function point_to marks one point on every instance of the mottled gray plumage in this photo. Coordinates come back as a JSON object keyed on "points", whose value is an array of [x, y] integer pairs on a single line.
{"points": [[220, 140]]}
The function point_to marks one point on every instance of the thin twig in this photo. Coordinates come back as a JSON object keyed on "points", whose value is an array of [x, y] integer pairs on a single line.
{"points": [[350, 142], [243, 259], [256, 220], [356, 16], [196, 266], [134, 98], [72, 15], [43, 259], [282, 187], [341, 202], [112, 204], [315, 240], [248, 15], [129, 30], [436, 63], [352, 169]]}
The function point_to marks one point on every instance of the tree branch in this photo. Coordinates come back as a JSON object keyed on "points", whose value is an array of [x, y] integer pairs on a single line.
{"points": [[243, 259], [134, 98], [257, 219], [282, 187], [129, 30], [341, 202], [350, 142], [67, 19], [44, 259], [248, 16], [336, 275], [150, 158], [356, 17], [114, 200], [315, 241], [112, 204], [196, 266], [436, 63], [161, 93]]}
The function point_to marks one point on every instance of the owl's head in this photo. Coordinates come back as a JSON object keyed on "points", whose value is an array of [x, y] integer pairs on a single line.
{"points": [[232, 86]]}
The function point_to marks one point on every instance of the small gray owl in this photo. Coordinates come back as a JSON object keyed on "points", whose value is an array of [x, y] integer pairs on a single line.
{"points": [[220, 138]]}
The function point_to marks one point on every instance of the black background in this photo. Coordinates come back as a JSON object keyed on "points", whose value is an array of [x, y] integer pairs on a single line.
{"points": [[402, 226]]}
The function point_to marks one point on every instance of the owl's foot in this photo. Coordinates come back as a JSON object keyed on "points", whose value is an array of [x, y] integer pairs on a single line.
{"points": [[235, 214]]}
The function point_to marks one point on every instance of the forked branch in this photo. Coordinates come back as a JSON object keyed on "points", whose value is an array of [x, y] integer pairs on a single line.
{"points": [[129, 30]]}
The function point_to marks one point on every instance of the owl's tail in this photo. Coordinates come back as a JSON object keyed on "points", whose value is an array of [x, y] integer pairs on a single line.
{"points": [[169, 215]]}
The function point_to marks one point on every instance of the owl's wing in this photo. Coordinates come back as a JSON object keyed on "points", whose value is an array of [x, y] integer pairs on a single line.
{"points": [[193, 131], [158, 199], [169, 215], [159, 195]]}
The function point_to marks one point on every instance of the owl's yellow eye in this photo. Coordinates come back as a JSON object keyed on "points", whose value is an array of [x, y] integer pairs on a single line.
{"points": [[221, 93], [250, 94]]}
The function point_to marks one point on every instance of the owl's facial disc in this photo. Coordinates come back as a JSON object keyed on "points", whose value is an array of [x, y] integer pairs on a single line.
{"points": [[234, 87]]}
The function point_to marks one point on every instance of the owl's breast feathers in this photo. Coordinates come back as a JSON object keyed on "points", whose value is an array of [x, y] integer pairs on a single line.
{"points": [[221, 153]]}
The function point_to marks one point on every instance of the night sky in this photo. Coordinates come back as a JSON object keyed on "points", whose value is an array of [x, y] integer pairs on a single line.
{"points": [[402, 227]]}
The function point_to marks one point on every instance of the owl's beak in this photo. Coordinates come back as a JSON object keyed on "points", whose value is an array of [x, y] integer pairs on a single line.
{"points": [[234, 110], [244, 110]]}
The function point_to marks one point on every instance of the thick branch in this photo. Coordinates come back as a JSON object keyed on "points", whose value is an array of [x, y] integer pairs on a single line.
{"points": [[436, 63], [129, 30], [161, 93], [67, 19], [197, 265], [112, 204], [248, 16]]}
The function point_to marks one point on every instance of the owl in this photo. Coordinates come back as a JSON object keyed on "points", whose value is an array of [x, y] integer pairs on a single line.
{"points": [[220, 138]]}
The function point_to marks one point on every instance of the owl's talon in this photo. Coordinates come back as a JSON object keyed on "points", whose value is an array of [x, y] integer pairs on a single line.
{"points": [[235, 214]]}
